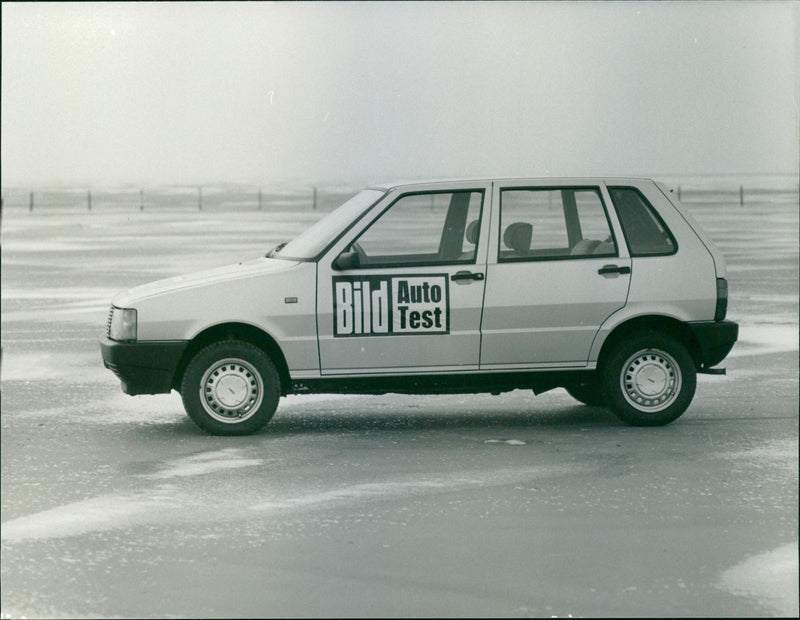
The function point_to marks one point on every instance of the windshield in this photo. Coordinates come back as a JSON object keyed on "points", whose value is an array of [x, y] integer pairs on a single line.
{"points": [[313, 241]]}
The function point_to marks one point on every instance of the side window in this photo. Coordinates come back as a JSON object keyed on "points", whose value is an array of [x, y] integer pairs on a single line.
{"points": [[553, 223], [423, 229], [646, 233]]}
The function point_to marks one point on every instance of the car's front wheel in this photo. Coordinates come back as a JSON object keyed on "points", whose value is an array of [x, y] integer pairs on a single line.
{"points": [[649, 379], [230, 388]]}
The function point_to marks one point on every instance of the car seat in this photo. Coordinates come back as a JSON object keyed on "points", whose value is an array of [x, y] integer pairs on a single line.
{"points": [[518, 237]]}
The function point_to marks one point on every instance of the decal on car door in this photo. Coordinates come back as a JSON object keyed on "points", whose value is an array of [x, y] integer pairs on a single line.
{"points": [[391, 305]]}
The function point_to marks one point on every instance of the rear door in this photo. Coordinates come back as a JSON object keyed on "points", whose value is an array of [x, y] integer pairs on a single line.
{"points": [[404, 291], [556, 272]]}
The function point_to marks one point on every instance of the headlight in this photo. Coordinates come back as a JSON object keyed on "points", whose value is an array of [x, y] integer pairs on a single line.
{"points": [[122, 324]]}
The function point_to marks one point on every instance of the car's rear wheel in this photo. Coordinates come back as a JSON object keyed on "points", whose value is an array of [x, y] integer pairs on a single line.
{"points": [[649, 380], [230, 388]]}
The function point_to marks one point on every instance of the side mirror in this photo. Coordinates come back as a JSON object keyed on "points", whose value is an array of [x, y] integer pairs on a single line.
{"points": [[346, 260]]}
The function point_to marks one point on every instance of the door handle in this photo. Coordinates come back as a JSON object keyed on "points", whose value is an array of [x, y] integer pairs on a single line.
{"points": [[613, 269], [466, 275]]}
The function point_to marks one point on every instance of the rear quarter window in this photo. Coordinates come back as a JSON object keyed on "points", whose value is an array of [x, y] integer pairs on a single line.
{"points": [[645, 232]]}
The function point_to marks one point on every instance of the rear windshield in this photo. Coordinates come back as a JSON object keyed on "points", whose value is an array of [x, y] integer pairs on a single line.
{"points": [[313, 241], [645, 232]]}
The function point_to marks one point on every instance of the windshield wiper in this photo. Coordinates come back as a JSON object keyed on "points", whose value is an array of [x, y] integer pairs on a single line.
{"points": [[277, 248]]}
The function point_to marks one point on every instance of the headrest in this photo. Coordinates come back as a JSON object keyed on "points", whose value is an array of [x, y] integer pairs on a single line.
{"points": [[518, 236], [473, 228]]}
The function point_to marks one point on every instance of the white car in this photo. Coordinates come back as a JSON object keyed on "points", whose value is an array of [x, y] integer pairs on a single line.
{"points": [[605, 287]]}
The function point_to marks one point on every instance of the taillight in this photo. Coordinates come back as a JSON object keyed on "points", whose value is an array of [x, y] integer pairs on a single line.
{"points": [[722, 299]]}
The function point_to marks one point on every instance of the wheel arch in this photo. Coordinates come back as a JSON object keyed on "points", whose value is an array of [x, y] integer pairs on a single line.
{"points": [[651, 323], [235, 331]]}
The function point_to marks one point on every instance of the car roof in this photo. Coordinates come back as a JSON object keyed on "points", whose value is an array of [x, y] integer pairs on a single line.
{"points": [[411, 183]]}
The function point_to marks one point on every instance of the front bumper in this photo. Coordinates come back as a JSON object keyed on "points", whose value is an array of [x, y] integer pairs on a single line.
{"points": [[143, 367], [715, 338]]}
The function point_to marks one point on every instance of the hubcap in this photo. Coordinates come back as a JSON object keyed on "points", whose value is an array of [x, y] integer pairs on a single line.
{"points": [[650, 380], [231, 390]]}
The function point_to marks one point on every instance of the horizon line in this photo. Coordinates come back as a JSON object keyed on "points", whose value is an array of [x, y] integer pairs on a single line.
{"points": [[322, 180]]}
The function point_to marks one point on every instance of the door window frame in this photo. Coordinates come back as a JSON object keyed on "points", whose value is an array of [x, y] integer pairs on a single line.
{"points": [[482, 191], [569, 218]]}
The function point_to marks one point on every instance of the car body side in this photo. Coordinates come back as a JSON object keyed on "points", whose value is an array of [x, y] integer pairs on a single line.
{"points": [[275, 304]]}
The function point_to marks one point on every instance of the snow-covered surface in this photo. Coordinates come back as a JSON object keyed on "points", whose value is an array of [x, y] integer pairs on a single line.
{"points": [[763, 339], [770, 577], [424, 505]]}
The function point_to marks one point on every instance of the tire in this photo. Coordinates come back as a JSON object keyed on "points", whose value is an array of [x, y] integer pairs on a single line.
{"points": [[249, 378], [588, 393], [649, 380]]}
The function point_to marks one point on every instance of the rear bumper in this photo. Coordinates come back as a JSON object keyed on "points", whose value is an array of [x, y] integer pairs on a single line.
{"points": [[143, 367], [716, 339]]}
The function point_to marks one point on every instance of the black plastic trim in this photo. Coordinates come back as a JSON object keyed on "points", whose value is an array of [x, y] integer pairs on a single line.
{"points": [[715, 338], [143, 367], [614, 269], [462, 383]]}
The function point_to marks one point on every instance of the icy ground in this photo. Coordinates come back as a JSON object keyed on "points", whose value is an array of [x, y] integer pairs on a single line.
{"points": [[382, 506]]}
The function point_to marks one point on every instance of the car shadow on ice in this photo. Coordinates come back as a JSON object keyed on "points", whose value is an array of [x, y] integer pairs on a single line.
{"points": [[173, 427], [298, 422], [321, 414], [399, 419]]}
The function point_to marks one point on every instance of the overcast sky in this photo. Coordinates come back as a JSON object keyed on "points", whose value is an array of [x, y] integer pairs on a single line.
{"points": [[202, 93]]}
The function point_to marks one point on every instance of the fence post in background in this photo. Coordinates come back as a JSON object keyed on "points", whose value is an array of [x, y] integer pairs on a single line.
{"points": [[30, 203], [199, 198], [89, 200], [315, 198], [259, 199], [679, 192], [141, 200], [1, 228], [741, 195]]}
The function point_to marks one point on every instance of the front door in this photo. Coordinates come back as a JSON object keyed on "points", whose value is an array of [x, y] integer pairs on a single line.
{"points": [[404, 292]]}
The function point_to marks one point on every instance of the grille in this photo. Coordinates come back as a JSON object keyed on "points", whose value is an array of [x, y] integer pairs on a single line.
{"points": [[108, 322]]}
